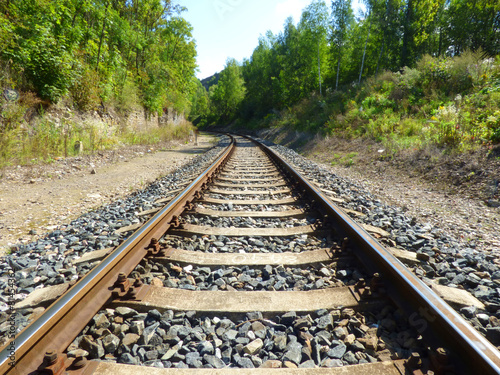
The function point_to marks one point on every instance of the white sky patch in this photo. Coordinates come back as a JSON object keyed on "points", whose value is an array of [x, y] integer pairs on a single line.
{"points": [[293, 8]]}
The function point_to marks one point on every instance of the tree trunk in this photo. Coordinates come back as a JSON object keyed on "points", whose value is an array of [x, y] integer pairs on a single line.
{"points": [[76, 14], [319, 72], [101, 37], [338, 72], [379, 57], [440, 42], [406, 34], [364, 52]]}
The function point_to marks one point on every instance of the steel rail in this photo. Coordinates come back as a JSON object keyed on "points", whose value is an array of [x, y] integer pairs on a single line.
{"points": [[66, 317], [436, 316]]}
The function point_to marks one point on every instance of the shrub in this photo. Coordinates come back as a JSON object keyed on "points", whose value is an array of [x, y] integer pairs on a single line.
{"points": [[85, 90], [127, 97], [435, 71]]}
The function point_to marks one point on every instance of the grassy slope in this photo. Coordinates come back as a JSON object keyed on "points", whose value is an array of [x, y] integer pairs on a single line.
{"points": [[29, 135], [440, 119]]}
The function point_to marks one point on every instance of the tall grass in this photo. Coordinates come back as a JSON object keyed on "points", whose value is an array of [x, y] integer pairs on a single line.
{"points": [[46, 138], [156, 135]]}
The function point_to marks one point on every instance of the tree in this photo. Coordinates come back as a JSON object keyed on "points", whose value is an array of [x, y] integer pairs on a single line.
{"points": [[473, 25], [107, 47], [364, 50], [313, 27], [227, 95], [342, 18], [199, 103]]}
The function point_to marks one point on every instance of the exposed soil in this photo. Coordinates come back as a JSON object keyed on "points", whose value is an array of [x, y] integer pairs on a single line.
{"points": [[474, 174], [38, 198]]}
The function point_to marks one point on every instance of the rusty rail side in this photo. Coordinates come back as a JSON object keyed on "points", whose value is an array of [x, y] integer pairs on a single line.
{"points": [[434, 317], [66, 317]]}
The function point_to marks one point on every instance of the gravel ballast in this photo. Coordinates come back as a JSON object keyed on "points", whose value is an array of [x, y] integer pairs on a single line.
{"points": [[445, 259], [49, 261], [186, 340]]}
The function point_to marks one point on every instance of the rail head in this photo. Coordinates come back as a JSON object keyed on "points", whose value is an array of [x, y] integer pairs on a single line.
{"points": [[57, 327], [477, 353]]}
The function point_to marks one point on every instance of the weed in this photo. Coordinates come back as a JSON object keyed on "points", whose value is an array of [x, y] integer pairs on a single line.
{"points": [[347, 160]]}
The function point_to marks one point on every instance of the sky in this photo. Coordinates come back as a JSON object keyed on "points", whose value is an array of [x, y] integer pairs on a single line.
{"points": [[231, 28]]}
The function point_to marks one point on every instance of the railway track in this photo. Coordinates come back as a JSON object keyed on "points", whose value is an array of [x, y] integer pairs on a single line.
{"points": [[250, 267]]}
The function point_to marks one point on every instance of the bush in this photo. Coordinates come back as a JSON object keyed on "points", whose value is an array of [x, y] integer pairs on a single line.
{"points": [[85, 91]]}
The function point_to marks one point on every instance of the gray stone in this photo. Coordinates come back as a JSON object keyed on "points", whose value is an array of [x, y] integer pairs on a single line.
{"points": [[259, 329], [151, 355], [338, 351], [205, 347], [125, 312], [230, 335], [255, 315], [94, 347], [137, 327], [493, 334], [325, 322], [356, 346], [350, 358], [304, 322], [254, 347], [280, 341], [330, 363], [128, 359], [172, 351], [148, 333], [226, 355], [183, 332], [110, 343], [483, 318], [130, 339], [101, 321], [214, 361], [181, 365], [154, 315], [245, 362], [288, 318], [469, 311], [324, 337], [194, 359], [154, 363], [307, 364], [294, 353]]}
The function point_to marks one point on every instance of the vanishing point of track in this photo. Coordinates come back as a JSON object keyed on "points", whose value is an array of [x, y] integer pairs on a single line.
{"points": [[254, 268]]}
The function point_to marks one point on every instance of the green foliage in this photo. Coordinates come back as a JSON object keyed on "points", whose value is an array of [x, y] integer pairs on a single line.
{"points": [[156, 135], [100, 51], [85, 91], [228, 93], [199, 103], [410, 109], [346, 160]]}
